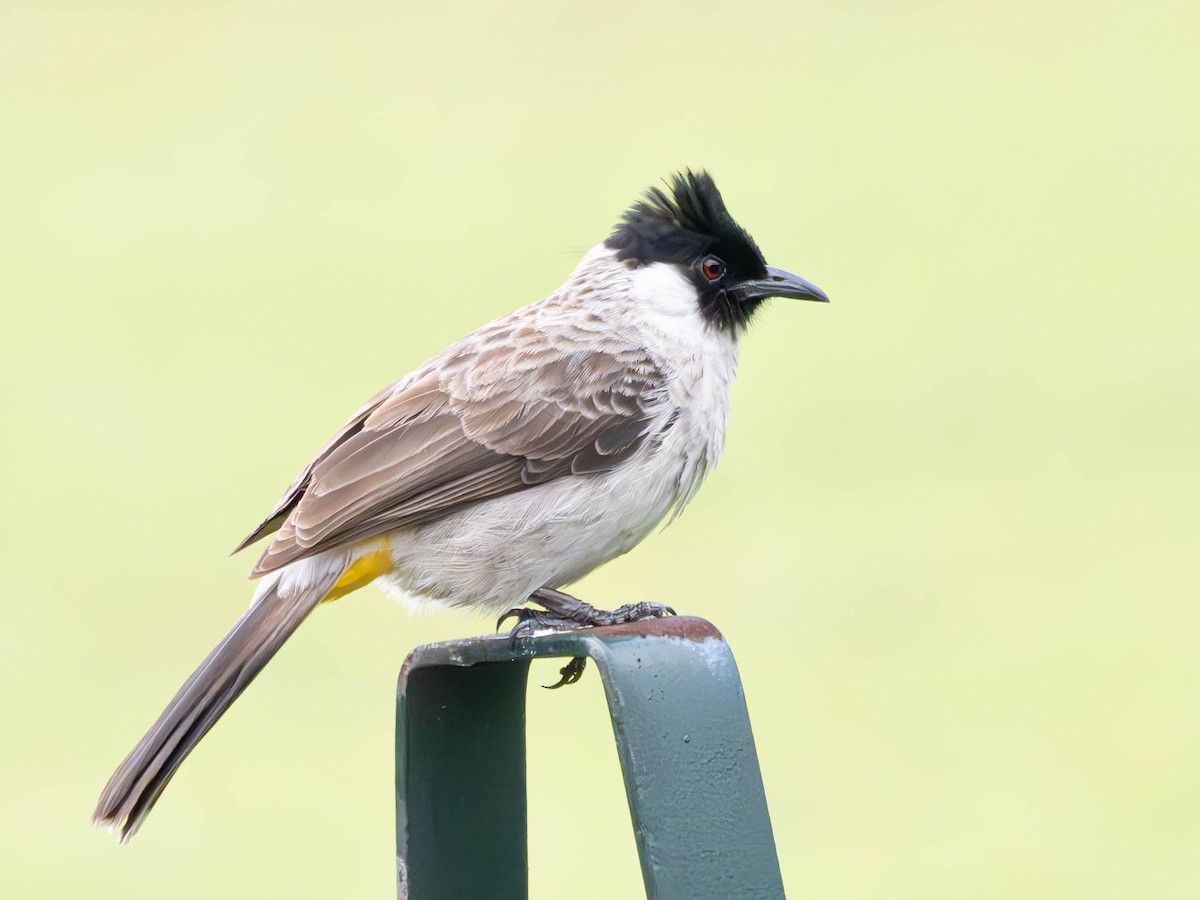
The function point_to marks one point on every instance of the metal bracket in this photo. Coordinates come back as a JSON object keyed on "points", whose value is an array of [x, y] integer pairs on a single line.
{"points": [[683, 738]]}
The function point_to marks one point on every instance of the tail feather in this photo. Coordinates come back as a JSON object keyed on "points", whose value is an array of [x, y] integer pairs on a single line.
{"points": [[137, 783]]}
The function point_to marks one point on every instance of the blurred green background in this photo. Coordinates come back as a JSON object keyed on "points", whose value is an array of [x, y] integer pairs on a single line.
{"points": [[954, 538]]}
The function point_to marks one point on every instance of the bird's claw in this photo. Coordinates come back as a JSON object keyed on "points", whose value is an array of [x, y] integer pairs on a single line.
{"points": [[530, 620], [517, 612], [630, 612], [585, 616], [570, 673], [569, 614]]}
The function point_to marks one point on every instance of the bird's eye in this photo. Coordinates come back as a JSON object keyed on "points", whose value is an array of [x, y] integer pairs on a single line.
{"points": [[712, 268]]}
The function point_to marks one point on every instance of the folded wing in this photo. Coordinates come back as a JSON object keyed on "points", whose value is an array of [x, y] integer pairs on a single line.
{"points": [[483, 420]]}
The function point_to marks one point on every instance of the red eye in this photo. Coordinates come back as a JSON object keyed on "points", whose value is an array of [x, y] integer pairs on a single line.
{"points": [[712, 268]]}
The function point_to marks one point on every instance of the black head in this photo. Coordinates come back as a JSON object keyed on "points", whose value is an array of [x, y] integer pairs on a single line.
{"points": [[693, 230]]}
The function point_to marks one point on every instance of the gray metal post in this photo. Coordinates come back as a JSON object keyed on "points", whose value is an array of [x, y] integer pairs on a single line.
{"points": [[683, 738]]}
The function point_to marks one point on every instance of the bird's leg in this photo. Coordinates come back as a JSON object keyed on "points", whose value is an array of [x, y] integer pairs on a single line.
{"points": [[562, 612], [566, 613]]}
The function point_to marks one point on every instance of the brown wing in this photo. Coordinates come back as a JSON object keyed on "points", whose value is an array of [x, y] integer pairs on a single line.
{"points": [[291, 497], [479, 422]]}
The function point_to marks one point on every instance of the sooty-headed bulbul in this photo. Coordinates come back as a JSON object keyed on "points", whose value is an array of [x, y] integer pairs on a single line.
{"points": [[509, 465]]}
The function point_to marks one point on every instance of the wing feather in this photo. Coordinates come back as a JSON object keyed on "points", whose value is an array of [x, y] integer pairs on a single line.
{"points": [[482, 420]]}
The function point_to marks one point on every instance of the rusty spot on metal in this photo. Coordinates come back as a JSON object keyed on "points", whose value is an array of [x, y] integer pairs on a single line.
{"points": [[407, 664], [689, 628]]}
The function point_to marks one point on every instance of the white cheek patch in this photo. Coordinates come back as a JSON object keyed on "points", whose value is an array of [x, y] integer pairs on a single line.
{"points": [[661, 289]]}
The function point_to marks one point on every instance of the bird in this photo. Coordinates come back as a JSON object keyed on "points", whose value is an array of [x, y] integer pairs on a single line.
{"points": [[510, 464]]}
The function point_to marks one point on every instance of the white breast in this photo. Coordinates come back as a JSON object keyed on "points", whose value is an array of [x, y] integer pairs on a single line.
{"points": [[703, 361]]}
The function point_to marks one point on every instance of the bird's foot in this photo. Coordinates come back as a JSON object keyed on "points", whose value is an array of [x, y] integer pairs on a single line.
{"points": [[562, 612]]}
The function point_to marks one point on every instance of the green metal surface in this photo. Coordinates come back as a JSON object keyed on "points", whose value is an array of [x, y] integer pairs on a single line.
{"points": [[460, 740], [683, 738]]}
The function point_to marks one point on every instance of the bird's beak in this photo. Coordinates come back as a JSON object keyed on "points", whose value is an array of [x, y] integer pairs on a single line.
{"points": [[781, 283]]}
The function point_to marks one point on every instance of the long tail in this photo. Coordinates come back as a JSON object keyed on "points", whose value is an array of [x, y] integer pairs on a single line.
{"points": [[133, 789]]}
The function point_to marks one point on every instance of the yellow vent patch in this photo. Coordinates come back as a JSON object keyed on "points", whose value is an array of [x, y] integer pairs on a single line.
{"points": [[362, 572]]}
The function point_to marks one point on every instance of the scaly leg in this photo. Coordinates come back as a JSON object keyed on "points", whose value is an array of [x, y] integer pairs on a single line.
{"points": [[562, 612]]}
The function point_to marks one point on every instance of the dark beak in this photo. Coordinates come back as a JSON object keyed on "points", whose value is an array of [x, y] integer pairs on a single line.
{"points": [[780, 283]]}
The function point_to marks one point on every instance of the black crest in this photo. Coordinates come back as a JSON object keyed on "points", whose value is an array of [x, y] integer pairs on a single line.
{"points": [[689, 223], [684, 227]]}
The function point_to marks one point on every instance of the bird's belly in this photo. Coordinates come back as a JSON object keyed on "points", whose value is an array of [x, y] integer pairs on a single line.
{"points": [[494, 554]]}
